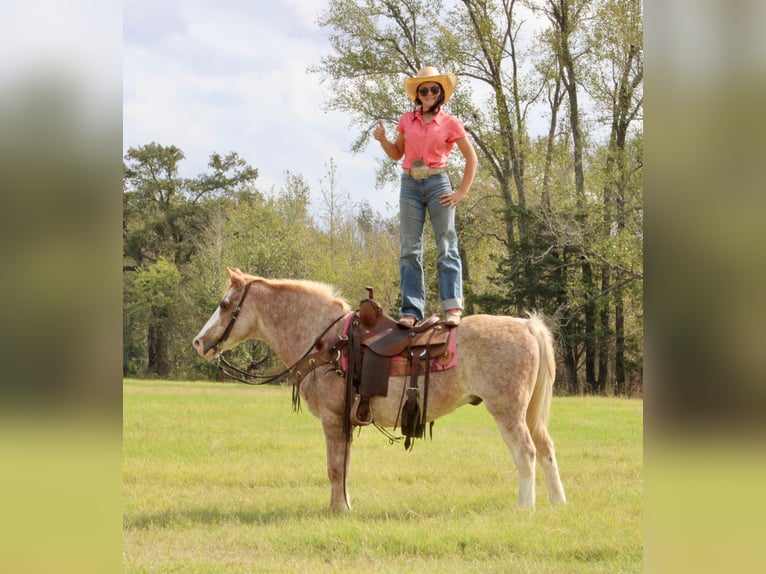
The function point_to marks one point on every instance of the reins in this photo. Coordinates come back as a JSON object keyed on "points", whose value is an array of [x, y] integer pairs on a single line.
{"points": [[247, 377], [242, 376]]}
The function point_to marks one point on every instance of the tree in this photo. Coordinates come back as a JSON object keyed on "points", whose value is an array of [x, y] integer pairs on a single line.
{"points": [[152, 204], [331, 212], [155, 295], [356, 247], [163, 214], [616, 83], [485, 38], [597, 47]]}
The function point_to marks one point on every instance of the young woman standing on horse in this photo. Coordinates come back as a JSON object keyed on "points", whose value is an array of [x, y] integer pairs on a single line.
{"points": [[426, 136]]}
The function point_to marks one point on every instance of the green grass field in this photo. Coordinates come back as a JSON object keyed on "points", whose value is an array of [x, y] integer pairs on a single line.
{"points": [[225, 478]]}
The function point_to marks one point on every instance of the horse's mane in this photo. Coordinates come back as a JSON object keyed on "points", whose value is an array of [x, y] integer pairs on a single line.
{"points": [[305, 286]]}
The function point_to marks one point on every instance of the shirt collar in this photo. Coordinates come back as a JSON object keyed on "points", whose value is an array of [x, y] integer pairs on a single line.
{"points": [[437, 117]]}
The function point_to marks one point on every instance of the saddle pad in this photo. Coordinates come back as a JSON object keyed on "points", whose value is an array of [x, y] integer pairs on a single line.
{"points": [[440, 363]]}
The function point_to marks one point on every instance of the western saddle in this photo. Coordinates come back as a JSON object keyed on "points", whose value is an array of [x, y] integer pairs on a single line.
{"points": [[380, 347]]}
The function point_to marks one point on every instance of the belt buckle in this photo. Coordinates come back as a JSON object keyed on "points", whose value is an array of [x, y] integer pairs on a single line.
{"points": [[420, 172]]}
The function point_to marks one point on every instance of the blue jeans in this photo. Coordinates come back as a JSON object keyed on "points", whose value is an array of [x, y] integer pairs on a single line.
{"points": [[418, 196]]}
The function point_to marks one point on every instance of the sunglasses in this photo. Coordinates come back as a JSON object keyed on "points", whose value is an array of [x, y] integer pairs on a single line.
{"points": [[435, 90]]}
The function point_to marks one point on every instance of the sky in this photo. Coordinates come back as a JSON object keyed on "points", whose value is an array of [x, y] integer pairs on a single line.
{"points": [[213, 76]]}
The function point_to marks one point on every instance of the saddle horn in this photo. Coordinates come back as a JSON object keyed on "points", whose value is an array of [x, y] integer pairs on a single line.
{"points": [[369, 310]]}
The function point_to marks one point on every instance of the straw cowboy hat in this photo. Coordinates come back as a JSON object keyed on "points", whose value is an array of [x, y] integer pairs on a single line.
{"points": [[430, 74]]}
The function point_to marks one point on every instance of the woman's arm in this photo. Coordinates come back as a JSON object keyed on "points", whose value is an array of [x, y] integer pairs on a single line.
{"points": [[394, 150], [466, 148]]}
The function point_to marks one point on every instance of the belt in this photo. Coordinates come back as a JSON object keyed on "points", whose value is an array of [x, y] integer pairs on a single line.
{"points": [[424, 172]]}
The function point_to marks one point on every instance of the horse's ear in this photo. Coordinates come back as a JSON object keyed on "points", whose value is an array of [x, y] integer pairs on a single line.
{"points": [[235, 276]]}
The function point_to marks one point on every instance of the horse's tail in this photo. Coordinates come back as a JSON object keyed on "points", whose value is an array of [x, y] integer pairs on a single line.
{"points": [[539, 407]]}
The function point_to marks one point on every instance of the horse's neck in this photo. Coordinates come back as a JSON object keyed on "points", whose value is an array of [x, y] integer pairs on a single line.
{"points": [[291, 321]]}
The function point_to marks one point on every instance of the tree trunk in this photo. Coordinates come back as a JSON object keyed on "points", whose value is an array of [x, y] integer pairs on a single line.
{"points": [[555, 102], [570, 366], [619, 346], [617, 176], [563, 15], [590, 329], [157, 349], [604, 339]]}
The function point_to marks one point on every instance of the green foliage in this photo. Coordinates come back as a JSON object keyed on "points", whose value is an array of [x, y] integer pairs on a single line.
{"points": [[152, 307], [162, 212], [155, 287], [243, 488]]}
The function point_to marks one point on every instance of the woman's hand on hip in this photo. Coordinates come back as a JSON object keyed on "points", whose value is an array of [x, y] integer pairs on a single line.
{"points": [[451, 199]]}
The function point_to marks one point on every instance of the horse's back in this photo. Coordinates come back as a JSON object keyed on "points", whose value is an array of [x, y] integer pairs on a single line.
{"points": [[487, 333]]}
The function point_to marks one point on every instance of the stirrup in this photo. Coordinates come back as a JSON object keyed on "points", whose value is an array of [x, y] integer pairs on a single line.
{"points": [[354, 408]]}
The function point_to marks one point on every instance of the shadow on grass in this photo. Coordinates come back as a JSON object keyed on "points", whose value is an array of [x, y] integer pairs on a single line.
{"points": [[218, 516], [290, 512], [592, 555]]}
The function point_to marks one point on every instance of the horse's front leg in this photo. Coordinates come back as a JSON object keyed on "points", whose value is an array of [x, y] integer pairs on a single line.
{"points": [[338, 462]]}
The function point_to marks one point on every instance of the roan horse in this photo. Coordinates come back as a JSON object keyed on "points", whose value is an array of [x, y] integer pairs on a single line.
{"points": [[506, 362]]}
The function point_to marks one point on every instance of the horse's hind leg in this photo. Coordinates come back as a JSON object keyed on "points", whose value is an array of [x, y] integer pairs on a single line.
{"points": [[519, 441], [546, 454], [338, 462]]}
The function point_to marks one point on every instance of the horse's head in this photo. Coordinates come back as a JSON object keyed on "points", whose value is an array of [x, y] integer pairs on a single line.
{"points": [[223, 330]]}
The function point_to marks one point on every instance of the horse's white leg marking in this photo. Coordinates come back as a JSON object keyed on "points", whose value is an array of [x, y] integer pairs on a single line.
{"points": [[519, 442], [523, 450], [338, 463], [547, 456]]}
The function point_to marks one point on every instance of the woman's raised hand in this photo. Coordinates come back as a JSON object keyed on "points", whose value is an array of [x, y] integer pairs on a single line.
{"points": [[380, 132]]}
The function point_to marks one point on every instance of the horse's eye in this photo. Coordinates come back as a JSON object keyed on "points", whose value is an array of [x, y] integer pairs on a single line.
{"points": [[224, 305]]}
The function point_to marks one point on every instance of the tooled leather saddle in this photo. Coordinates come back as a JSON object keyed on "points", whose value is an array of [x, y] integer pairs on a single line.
{"points": [[374, 347], [380, 347]]}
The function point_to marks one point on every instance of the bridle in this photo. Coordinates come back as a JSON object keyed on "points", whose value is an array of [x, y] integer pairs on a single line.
{"points": [[232, 320], [245, 376]]}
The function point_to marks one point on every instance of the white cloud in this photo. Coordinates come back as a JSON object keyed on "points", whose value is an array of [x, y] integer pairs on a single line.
{"points": [[210, 76]]}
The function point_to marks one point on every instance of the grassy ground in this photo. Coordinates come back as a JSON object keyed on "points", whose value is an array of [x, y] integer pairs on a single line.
{"points": [[224, 478]]}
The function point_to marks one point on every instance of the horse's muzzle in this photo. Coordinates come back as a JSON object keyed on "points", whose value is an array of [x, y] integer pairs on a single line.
{"points": [[204, 348]]}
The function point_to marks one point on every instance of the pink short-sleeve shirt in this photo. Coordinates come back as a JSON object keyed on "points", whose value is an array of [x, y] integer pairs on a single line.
{"points": [[431, 142]]}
